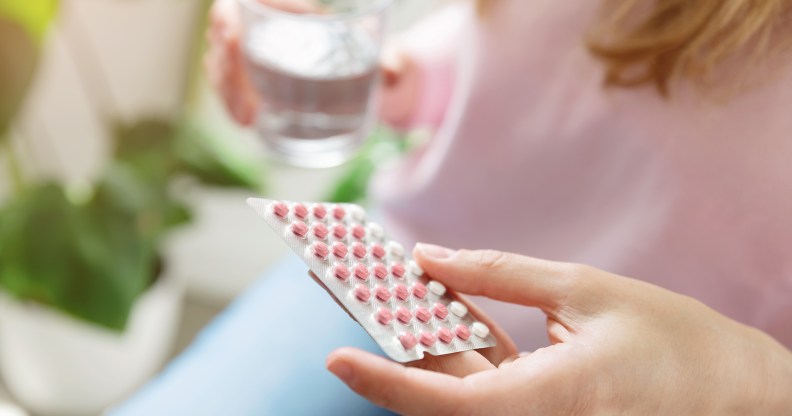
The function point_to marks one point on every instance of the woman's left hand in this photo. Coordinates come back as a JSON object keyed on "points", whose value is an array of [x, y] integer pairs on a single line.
{"points": [[619, 346]]}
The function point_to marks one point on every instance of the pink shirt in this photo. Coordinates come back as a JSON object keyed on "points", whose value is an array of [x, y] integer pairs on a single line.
{"points": [[531, 155]]}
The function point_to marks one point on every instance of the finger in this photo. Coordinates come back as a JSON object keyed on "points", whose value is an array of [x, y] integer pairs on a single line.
{"points": [[402, 389], [458, 364], [501, 276], [505, 346], [512, 358]]}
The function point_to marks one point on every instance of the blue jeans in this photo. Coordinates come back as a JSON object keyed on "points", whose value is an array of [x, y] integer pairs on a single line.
{"points": [[264, 355]]}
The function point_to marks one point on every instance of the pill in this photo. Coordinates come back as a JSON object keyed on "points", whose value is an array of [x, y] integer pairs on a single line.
{"points": [[440, 310], [359, 250], [362, 293], [280, 209], [339, 212], [339, 250], [341, 272], [401, 292], [377, 251], [444, 335], [375, 230], [319, 211], [358, 232], [407, 340], [480, 330], [395, 249], [384, 316], [415, 269], [299, 228], [403, 315], [423, 314], [462, 332], [397, 270], [419, 290], [357, 213], [382, 293], [380, 271], [436, 287], [361, 272], [320, 230], [427, 338], [339, 231], [458, 308], [300, 211], [320, 249]]}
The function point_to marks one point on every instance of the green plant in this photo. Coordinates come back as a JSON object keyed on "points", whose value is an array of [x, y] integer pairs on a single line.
{"points": [[90, 250]]}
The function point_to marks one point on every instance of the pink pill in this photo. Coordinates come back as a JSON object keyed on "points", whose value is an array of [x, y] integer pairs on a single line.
{"points": [[427, 338], [423, 314], [397, 269], [339, 231], [359, 250], [319, 211], [320, 231], [358, 232], [280, 209], [377, 251], [419, 290], [300, 211], [299, 228], [384, 316], [339, 212], [361, 272], [444, 335], [401, 292], [341, 272], [403, 315], [320, 250], [408, 340], [362, 293], [380, 271], [339, 250], [440, 310], [462, 332], [382, 293]]}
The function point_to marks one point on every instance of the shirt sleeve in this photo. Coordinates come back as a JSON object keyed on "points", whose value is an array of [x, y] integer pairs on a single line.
{"points": [[433, 45]]}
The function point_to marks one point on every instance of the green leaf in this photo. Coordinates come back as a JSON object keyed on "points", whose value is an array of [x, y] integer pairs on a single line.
{"points": [[33, 15], [18, 60], [86, 260], [215, 161]]}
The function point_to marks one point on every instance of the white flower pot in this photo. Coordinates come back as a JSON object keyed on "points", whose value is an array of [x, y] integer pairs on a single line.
{"points": [[57, 365]]}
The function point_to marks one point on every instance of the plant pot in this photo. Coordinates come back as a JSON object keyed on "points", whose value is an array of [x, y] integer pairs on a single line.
{"points": [[54, 364]]}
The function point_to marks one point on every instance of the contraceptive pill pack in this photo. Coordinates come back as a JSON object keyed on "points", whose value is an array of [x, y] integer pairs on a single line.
{"points": [[374, 278]]}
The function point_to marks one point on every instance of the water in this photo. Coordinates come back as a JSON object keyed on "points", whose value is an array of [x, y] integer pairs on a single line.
{"points": [[315, 80]]}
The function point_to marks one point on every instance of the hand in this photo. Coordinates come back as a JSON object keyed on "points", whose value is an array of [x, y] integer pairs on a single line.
{"points": [[225, 65], [619, 346]]}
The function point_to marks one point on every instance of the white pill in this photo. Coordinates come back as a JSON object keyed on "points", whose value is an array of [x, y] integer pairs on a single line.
{"points": [[395, 249], [415, 269], [375, 230], [436, 287], [357, 213], [457, 309], [480, 330]]}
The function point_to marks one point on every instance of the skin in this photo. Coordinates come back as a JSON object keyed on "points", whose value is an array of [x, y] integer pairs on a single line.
{"points": [[225, 66], [618, 346]]}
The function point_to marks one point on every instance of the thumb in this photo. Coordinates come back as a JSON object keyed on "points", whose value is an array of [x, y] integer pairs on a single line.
{"points": [[501, 276]]}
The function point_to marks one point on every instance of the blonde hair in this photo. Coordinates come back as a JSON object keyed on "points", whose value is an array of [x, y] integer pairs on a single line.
{"points": [[656, 42]]}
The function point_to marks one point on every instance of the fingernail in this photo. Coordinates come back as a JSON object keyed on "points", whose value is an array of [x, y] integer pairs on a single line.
{"points": [[434, 252], [341, 370]]}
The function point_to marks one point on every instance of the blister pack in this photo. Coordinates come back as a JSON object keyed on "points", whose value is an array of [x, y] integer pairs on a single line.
{"points": [[375, 279]]}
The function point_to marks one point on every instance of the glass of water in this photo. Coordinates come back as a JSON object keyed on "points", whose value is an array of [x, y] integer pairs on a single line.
{"points": [[316, 74]]}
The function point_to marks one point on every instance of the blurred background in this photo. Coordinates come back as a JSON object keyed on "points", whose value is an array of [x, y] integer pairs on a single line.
{"points": [[123, 227]]}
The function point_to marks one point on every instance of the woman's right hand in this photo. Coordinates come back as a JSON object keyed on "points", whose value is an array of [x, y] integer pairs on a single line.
{"points": [[225, 66]]}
